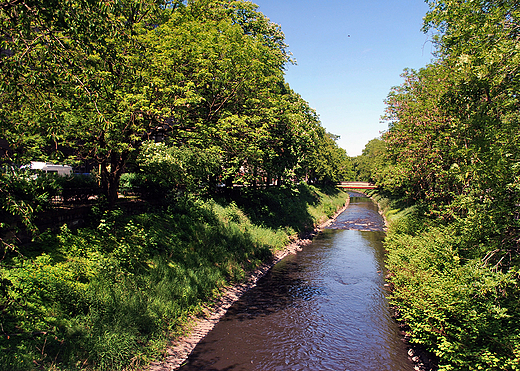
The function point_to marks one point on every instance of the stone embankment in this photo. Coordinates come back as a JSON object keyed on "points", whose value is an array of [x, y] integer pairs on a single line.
{"points": [[181, 348]]}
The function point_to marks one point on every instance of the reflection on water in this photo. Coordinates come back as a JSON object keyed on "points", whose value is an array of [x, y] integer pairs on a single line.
{"points": [[322, 309]]}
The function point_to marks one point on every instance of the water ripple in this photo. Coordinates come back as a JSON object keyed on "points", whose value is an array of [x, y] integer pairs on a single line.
{"points": [[322, 309]]}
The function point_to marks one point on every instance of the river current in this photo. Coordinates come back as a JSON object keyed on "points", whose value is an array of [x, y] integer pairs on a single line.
{"points": [[321, 309]]}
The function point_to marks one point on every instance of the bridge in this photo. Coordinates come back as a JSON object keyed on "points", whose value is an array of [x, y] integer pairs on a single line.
{"points": [[356, 185]]}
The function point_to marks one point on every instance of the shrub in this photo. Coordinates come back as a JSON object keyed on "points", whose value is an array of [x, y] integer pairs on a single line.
{"points": [[463, 311], [22, 195]]}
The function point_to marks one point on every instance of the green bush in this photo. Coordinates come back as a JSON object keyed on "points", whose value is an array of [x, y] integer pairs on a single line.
{"points": [[295, 208], [463, 311], [165, 169], [22, 195]]}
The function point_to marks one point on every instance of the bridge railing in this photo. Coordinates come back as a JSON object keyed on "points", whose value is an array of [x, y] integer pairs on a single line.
{"points": [[356, 185]]}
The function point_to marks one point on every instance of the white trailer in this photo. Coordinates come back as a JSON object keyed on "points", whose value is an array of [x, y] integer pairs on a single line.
{"points": [[47, 167]]}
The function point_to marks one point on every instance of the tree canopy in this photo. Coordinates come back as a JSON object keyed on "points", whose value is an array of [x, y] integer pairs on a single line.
{"points": [[454, 125], [453, 150], [90, 81]]}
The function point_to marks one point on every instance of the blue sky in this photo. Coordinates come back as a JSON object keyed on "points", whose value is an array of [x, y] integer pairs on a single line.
{"points": [[349, 54]]}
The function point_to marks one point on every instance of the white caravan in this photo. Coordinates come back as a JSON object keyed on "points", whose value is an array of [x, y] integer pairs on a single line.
{"points": [[47, 167]]}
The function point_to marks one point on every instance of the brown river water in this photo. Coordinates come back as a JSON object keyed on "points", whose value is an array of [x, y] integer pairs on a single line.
{"points": [[321, 309]]}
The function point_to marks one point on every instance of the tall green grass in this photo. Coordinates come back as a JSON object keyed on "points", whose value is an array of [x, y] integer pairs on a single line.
{"points": [[109, 297], [294, 208]]}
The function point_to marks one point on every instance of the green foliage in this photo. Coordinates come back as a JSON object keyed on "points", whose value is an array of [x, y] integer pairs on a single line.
{"points": [[457, 295], [370, 164], [76, 88], [22, 195], [100, 79], [453, 131], [297, 208], [110, 296], [465, 311], [164, 169], [328, 162], [453, 151]]}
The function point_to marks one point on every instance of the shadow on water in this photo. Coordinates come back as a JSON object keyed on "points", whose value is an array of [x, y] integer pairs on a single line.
{"points": [[322, 309], [285, 289]]}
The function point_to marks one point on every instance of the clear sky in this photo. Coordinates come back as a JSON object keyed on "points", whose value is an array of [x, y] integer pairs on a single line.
{"points": [[349, 54]]}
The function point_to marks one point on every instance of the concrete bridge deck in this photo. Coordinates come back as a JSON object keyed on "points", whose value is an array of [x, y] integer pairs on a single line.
{"points": [[356, 185]]}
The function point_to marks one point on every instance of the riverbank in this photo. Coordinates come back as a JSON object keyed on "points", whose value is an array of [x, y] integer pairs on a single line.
{"points": [[112, 295], [457, 305], [454, 295], [422, 359], [180, 349]]}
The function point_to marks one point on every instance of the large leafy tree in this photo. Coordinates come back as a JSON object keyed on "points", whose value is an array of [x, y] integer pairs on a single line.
{"points": [[454, 132], [90, 80], [369, 166], [304, 150], [202, 71], [454, 147], [226, 63], [421, 144], [479, 41], [75, 79]]}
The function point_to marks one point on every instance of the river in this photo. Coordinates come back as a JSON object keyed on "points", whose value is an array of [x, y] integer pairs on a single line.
{"points": [[321, 309]]}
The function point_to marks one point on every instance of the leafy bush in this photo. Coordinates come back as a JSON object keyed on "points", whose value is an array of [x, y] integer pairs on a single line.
{"points": [[166, 169], [464, 311], [22, 195], [128, 183]]}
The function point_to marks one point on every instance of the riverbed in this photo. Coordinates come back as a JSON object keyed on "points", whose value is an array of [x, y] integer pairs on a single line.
{"points": [[323, 308]]}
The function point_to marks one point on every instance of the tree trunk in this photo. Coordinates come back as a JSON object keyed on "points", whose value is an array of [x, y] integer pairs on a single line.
{"points": [[110, 177]]}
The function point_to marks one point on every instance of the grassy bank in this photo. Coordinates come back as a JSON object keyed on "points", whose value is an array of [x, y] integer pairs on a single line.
{"points": [[462, 308], [109, 297]]}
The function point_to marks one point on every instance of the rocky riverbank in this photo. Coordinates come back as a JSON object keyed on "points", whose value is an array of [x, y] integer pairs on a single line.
{"points": [[180, 349]]}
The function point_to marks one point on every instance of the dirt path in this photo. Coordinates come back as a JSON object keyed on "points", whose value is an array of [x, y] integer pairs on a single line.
{"points": [[181, 348]]}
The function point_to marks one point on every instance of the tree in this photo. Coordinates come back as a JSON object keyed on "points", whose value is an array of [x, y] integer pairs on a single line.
{"points": [[457, 119], [165, 170], [370, 164], [226, 63], [77, 81], [327, 162], [421, 145], [196, 70]]}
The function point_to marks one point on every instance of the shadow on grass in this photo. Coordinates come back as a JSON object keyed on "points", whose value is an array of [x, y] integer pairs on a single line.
{"points": [[103, 296], [281, 207]]}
